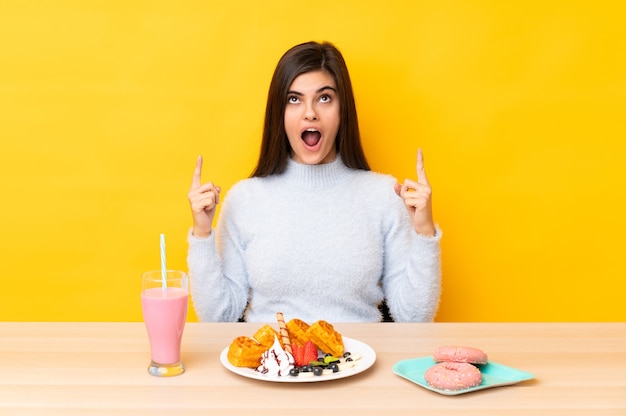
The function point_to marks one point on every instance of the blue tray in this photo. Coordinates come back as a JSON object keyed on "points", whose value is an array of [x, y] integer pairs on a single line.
{"points": [[494, 375]]}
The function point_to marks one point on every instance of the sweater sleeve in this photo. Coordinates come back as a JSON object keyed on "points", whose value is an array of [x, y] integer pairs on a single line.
{"points": [[219, 287], [412, 271]]}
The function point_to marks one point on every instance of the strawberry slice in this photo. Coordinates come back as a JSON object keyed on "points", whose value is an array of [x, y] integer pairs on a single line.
{"points": [[298, 354], [310, 352]]}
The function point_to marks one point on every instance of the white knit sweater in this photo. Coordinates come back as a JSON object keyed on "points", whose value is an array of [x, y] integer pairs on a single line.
{"points": [[316, 242]]}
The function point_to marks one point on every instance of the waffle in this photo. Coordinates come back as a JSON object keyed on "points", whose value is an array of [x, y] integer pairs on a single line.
{"points": [[326, 338], [245, 352], [265, 336], [298, 331]]}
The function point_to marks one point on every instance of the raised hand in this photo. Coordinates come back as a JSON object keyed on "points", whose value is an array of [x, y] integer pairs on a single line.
{"points": [[417, 199], [203, 199]]}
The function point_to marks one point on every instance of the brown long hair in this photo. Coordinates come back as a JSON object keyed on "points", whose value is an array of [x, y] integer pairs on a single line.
{"points": [[300, 59]]}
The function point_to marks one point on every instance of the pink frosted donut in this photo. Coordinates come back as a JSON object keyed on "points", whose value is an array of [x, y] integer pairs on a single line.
{"points": [[457, 354], [453, 376]]}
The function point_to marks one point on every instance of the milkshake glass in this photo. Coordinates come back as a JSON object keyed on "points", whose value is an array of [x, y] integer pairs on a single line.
{"points": [[164, 308]]}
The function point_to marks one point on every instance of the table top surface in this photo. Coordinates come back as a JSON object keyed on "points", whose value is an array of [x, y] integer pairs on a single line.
{"points": [[86, 368]]}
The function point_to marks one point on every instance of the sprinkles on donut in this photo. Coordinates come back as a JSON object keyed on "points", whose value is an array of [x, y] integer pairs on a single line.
{"points": [[457, 354], [455, 368], [453, 376]]}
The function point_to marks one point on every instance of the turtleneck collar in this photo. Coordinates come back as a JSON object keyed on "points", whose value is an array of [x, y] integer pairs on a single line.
{"points": [[316, 176]]}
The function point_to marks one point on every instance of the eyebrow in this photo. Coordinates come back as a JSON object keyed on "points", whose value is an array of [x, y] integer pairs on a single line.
{"points": [[324, 88]]}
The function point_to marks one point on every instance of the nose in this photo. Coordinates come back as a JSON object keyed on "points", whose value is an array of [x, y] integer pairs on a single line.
{"points": [[310, 114]]}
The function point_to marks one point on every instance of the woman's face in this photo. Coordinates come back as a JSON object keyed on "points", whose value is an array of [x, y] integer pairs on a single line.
{"points": [[312, 118]]}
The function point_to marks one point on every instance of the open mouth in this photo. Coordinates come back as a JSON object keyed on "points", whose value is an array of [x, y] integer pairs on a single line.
{"points": [[311, 137]]}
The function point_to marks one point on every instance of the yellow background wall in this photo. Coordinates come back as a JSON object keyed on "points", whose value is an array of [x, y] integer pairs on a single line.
{"points": [[519, 107]]}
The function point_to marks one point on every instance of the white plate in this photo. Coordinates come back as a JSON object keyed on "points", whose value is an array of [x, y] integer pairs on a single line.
{"points": [[368, 358]]}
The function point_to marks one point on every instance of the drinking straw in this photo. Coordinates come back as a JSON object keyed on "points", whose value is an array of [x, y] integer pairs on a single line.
{"points": [[163, 268]]}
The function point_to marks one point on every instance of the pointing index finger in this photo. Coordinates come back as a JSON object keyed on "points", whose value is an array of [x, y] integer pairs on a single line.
{"points": [[197, 173], [421, 172]]}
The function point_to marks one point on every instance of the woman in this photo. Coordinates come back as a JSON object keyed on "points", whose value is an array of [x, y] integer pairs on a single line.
{"points": [[313, 232]]}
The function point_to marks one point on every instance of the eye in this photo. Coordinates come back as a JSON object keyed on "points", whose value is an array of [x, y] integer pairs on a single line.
{"points": [[292, 99], [325, 98]]}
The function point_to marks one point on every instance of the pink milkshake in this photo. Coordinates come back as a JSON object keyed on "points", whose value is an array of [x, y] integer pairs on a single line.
{"points": [[164, 313]]}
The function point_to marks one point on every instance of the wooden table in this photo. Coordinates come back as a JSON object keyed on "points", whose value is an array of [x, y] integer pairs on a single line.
{"points": [[100, 369]]}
